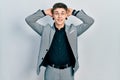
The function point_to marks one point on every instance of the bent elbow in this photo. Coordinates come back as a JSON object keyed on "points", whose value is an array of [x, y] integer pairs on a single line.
{"points": [[91, 21], [27, 20]]}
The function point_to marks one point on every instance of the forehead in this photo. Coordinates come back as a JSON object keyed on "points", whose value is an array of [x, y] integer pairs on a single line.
{"points": [[59, 10]]}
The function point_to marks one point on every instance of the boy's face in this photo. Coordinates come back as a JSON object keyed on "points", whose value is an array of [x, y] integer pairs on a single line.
{"points": [[59, 15]]}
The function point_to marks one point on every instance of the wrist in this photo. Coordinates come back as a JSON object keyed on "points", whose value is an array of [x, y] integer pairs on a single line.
{"points": [[44, 12], [74, 12]]}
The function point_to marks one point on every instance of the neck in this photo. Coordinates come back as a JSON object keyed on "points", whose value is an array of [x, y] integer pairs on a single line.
{"points": [[59, 26]]}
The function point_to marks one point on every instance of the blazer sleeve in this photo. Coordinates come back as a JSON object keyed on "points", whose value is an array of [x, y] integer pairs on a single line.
{"points": [[32, 21], [87, 21]]}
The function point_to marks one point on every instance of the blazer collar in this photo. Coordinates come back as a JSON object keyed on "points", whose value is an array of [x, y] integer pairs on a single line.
{"points": [[65, 26]]}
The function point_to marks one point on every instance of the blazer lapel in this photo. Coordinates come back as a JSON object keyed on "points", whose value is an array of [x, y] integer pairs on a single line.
{"points": [[52, 32], [71, 38]]}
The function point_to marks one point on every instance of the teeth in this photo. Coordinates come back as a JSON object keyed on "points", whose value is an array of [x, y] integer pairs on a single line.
{"points": [[59, 20]]}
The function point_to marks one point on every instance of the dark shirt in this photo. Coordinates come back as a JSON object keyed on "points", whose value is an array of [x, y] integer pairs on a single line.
{"points": [[60, 52]]}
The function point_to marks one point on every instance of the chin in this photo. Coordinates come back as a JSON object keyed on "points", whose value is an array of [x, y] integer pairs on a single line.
{"points": [[60, 23]]}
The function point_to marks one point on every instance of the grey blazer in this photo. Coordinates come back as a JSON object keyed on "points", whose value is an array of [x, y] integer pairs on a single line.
{"points": [[47, 32]]}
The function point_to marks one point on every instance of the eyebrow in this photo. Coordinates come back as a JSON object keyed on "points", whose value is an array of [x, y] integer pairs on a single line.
{"points": [[62, 11]]}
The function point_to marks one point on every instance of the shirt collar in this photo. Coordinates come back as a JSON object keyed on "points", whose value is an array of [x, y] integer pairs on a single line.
{"points": [[60, 29]]}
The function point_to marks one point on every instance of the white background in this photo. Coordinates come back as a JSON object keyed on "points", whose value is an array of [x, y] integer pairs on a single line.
{"points": [[98, 47]]}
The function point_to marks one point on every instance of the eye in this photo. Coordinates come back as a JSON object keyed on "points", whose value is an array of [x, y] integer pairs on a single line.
{"points": [[56, 13], [62, 13]]}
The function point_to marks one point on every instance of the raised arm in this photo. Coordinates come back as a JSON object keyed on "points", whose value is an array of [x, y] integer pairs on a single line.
{"points": [[87, 20], [32, 21]]}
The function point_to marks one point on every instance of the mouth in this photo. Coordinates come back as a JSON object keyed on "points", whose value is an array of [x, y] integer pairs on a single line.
{"points": [[60, 20]]}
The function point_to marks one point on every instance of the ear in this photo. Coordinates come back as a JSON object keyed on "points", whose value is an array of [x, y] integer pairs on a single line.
{"points": [[69, 11]]}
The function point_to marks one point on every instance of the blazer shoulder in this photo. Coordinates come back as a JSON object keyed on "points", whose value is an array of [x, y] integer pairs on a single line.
{"points": [[47, 27], [72, 26]]}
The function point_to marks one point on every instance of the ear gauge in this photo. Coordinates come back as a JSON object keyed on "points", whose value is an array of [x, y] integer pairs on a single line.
{"points": [[66, 18]]}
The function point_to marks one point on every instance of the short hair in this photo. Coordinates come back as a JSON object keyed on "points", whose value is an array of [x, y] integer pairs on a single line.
{"points": [[59, 5]]}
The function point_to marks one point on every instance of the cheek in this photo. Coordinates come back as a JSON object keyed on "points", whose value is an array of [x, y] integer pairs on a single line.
{"points": [[54, 16], [65, 16]]}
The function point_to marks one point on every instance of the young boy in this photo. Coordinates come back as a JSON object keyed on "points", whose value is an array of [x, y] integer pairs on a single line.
{"points": [[58, 49]]}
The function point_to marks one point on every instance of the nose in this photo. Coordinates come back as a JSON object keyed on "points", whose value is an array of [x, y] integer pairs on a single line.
{"points": [[59, 15]]}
